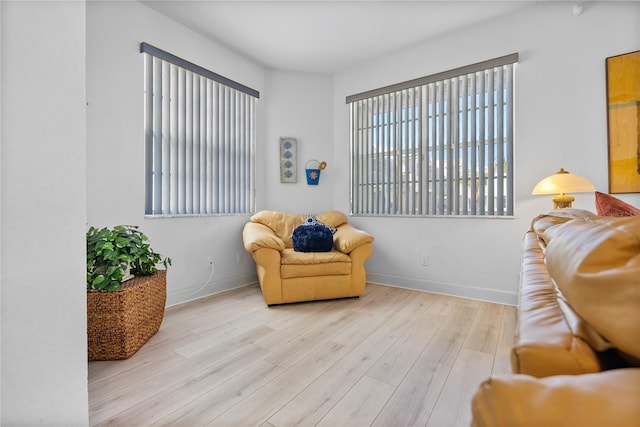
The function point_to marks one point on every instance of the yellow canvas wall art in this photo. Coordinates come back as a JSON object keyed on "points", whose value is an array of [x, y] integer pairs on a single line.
{"points": [[623, 102]]}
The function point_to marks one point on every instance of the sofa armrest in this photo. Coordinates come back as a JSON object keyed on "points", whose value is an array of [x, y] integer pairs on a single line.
{"points": [[256, 236], [347, 238], [608, 398]]}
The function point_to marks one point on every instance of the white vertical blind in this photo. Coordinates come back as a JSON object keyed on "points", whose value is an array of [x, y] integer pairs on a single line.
{"points": [[200, 138], [440, 147]]}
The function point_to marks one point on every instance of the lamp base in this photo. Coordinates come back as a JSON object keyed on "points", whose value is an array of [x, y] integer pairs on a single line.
{"points": [[562, 201]]}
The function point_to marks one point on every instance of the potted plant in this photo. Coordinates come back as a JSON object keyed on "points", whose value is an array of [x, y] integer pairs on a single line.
{"points": [[122, 314], [113, 252]]}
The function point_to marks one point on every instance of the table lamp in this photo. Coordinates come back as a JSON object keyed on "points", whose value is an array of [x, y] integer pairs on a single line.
{"points": [[560, 183]]}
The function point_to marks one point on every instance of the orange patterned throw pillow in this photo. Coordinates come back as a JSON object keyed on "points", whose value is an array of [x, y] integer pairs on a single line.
{"points": [[607, 205]]}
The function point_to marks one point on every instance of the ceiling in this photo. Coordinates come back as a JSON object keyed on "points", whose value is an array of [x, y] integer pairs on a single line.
{"points": [[326, 36]]}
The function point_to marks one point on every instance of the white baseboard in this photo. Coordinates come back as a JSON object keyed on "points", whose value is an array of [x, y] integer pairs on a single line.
{"points": [[453, 289]]}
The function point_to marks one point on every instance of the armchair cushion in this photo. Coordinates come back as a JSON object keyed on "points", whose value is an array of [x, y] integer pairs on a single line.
{"points": [[283, 224], [332, 219], [257, 236], [347, 238], [306, 264]]}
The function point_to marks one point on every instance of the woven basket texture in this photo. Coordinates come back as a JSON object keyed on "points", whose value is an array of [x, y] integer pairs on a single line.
{"points": [[120, 322]]}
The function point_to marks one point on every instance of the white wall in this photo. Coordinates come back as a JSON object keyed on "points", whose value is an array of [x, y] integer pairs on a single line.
{"points": [[115, 144], [43, 214], [298, 105], [560, 122]]}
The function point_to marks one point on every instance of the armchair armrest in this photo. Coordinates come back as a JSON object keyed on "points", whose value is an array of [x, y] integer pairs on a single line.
{"points": [[256, 236], [608, 398], [347, 238]]}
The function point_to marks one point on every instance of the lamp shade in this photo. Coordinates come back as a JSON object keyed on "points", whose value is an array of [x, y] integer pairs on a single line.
{"points": [[563, 182], [560, 183]]}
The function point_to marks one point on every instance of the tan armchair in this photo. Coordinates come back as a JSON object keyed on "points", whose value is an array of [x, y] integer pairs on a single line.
{"points": [[289, 276]]}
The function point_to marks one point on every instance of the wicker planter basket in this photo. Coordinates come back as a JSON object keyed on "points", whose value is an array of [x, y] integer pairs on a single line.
{"points": [[120, 322]]}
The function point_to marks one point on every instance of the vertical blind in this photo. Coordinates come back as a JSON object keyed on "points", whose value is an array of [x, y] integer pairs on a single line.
{"points": [[199, 139], [439, 145]]}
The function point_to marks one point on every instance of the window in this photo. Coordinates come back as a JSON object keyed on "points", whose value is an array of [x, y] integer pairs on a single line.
{"points": [[438, 145], [199, 139]]}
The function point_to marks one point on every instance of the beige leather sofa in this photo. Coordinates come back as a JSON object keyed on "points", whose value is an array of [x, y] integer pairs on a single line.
{"points": [[288, 276], [576, 360]]}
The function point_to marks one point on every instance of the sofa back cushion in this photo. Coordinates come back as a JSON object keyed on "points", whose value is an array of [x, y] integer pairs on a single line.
{"points": [[595, 263], [542, 223], [283, 224]]}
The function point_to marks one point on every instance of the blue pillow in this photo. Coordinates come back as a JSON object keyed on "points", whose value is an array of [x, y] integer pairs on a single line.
{"points": [[313, 236]]}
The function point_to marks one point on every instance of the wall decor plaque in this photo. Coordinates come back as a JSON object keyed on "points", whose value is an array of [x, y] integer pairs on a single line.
{"points": [[288, 160]]}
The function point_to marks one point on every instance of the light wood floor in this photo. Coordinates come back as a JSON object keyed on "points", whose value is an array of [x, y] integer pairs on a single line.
{"points": [[393, 357]]}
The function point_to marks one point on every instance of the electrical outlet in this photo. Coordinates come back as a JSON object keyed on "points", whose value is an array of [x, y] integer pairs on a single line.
{"points": [[210, 259], [424, 260]]}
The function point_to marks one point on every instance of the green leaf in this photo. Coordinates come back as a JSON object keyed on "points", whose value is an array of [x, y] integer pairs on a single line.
{"points": [[106, 246], [113, 286], [122, 242], [113, 271], [124, 258], [98, 280]]}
